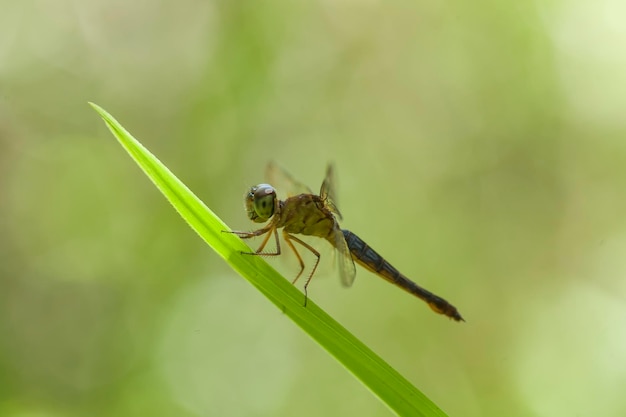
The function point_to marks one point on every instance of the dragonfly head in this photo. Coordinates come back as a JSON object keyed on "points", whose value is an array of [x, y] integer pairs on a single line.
{"points": [[261, 203]]}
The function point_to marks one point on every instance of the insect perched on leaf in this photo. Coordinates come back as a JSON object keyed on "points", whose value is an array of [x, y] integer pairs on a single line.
{"points": [[306, 213]]}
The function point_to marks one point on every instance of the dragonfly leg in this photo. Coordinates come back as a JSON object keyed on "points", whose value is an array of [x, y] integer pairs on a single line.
{"points": [[260, 232], [260, 252], [248, 235], [288, 239]]}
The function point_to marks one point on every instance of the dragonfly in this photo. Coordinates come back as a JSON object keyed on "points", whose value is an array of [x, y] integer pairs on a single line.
{"points": [[306, 213]]}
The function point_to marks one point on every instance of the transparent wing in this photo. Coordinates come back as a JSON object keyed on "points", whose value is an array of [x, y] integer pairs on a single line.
{"points": [[281, 180], [347, 270], [327, 192]]}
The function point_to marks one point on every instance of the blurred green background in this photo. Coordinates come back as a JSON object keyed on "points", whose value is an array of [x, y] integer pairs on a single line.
{"points": [[480, 147]]}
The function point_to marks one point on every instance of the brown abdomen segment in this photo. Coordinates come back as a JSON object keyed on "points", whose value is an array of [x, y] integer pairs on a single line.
{"points": [[371, 260]]}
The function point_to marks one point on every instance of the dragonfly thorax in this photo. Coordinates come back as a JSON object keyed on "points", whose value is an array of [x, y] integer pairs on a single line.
{"points": [[261, 203]]}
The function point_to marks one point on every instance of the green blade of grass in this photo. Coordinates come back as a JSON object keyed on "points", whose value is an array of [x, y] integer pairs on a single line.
{"points": [[384, 381]]}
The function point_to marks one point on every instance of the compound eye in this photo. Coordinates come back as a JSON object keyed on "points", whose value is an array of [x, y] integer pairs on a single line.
{"points": [[260, 203]]}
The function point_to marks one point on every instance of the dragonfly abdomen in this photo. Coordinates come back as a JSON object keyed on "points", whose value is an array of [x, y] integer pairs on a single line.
{"points": [[371, 260]]}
